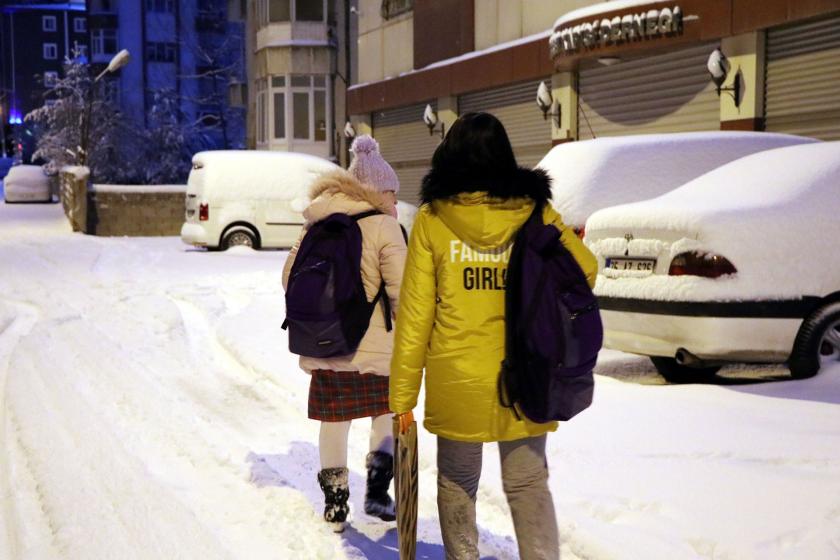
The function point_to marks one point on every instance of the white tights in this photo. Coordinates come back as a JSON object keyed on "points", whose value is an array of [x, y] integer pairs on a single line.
{"points": [[332, 442]]}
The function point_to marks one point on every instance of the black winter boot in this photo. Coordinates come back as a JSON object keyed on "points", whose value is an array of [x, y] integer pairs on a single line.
{"points": [[336, 489], [380, 471]]}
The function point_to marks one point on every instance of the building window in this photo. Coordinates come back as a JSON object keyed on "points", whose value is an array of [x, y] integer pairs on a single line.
{"points": [[160, 52], [104, 41], [309, 10], [161, 6], [48, 23], [305, 98], [50, 51], [262, 115], [80, 50], [50, 79], [279, 11], [79, 25], [393, 8], [102, 6]]}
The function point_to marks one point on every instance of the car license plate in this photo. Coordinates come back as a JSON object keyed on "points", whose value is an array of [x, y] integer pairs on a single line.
{"points": [[636, 265]]}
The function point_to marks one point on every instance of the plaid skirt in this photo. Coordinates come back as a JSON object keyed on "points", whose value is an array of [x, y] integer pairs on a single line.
{"points": [[338, 396]]}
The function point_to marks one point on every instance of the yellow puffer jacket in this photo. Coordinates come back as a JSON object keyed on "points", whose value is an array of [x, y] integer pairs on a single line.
{"points": [[451, 319]]}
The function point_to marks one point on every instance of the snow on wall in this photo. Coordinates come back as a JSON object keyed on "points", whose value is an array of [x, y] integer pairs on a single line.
{"points": [[774, 215], [594, 174]]}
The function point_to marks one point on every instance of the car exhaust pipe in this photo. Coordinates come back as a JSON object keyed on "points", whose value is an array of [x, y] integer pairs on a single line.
{"points": [[686, 358]]}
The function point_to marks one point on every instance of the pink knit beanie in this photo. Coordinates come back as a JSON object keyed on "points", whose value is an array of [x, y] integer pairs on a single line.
{"points": [[369, 168]]}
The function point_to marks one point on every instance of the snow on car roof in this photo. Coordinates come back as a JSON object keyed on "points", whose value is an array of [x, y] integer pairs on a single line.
{"points": [[594, 174], [772, 214], [234, 174], [26, 176], [791, 182]]}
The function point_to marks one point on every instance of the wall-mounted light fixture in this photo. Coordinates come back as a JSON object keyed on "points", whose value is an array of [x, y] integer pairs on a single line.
{"points": [[608, 60], [349, 131], [430, 118], [546, 103], [718, 66]]}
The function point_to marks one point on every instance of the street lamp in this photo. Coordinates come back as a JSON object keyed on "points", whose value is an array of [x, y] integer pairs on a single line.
{"points": [[120, 59]]}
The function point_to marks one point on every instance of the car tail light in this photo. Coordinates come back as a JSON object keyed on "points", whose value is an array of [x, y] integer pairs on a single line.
{"points": [[203, 212], [707, 265]]}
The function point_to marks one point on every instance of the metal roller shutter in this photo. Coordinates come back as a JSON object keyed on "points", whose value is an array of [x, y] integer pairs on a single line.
{"points": [[516, 107], [803, 78], [406, 144], [663, 93]]}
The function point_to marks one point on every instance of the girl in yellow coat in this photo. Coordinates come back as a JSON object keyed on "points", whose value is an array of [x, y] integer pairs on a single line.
{"points": [[452, 324]]}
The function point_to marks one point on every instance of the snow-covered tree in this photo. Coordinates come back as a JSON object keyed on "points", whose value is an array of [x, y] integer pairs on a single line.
{"points": [[170, 141], [59, 124]]}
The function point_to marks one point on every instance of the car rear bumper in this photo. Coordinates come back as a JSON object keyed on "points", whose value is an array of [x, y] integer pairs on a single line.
{"points": [[741, 331], [194, 234], [17, 194]]}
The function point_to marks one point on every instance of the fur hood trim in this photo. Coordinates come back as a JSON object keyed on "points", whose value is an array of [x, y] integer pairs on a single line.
{"points": [[341, 182], [445, 183]]}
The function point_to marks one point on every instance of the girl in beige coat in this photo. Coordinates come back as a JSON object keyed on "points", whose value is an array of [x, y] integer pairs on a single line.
{"points": [[356, 386]]}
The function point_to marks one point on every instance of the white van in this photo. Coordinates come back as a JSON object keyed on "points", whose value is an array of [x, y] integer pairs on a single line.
{"points": [[253, 198]]}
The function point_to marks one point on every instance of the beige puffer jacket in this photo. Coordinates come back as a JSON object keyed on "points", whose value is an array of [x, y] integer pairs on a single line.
{"points": [[383, 258]]}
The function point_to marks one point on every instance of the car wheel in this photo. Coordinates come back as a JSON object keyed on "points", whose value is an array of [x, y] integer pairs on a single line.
{"points": [[817, 343], [675, 372], [239, 237]]}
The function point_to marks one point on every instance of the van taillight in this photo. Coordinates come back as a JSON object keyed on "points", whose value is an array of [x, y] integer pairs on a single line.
{"points": [[203, 212]]}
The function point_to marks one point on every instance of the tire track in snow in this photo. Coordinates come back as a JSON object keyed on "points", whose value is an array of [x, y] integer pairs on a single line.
{"points": [[16, 320]]}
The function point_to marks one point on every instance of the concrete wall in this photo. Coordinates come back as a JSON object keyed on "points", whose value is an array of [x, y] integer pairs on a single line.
{"points": [[499, 21], [386, 48], [150, 211]]}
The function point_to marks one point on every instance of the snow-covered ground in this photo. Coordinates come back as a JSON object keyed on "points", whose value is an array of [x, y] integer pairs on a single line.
{"points": [[150, 409]]}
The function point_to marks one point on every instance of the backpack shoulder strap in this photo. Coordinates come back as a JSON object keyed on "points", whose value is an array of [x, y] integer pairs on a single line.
{"points": [[364, 215]]}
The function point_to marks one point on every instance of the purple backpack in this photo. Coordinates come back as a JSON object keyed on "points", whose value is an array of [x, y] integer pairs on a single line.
{"points": [[327, 311], [553, 328]]}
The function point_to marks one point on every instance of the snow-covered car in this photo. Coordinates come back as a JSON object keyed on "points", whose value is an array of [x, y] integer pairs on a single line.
{"points": [[741, 264], [27, 183], [594, 174], [254, 198]]}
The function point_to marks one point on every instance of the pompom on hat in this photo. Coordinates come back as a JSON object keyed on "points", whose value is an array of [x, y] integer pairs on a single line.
{"points": [[369, 168]]}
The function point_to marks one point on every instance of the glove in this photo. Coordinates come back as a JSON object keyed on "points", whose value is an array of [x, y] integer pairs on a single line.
{"points": [[405, 420]]}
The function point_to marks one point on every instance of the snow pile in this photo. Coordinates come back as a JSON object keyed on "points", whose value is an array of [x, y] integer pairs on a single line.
{"points": [[238, 174], [594, 174], [406, 212], [772, 214]]}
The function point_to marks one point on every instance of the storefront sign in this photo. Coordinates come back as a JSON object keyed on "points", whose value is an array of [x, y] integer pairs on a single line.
{"points": [[610, 31]]}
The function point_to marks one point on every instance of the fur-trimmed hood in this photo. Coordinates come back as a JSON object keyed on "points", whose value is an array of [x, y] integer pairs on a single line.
{"points": [[341, 192], [442, 183]]}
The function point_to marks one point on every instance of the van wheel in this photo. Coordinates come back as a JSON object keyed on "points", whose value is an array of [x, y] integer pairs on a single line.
{"points": [[674, 372], [817, 343], [239, 237]]}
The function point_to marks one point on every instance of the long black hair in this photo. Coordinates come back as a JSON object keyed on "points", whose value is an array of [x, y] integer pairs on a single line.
{"points": [[476, 155]]}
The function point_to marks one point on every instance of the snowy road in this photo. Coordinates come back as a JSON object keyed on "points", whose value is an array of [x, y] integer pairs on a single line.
{"points": [[149, 409]]}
